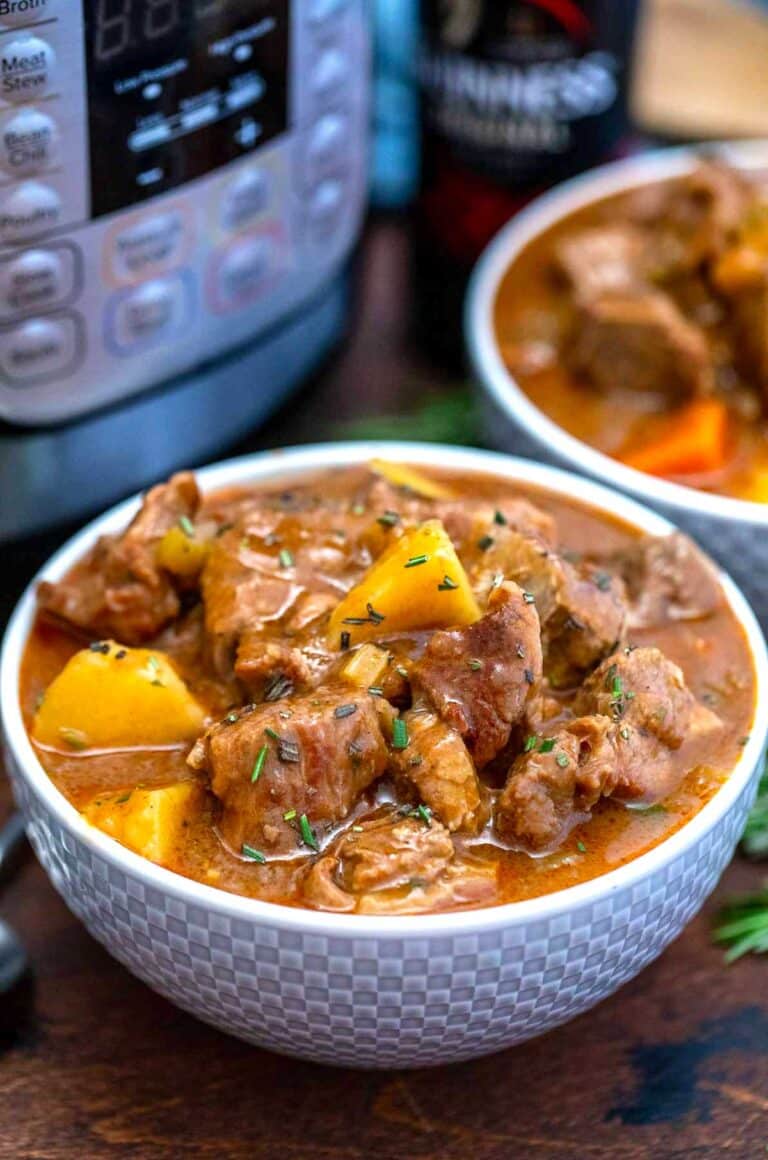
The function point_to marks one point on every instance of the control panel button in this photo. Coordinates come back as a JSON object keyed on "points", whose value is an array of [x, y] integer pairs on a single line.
{"points": [[326, 148], [15, 12], [26, 68], [329, 74], [152, 245], [151, 314], [243, 271], [29, 142], [40, 349], [325, 208], [245, 199], [37, 280], [322, 10], [31, 209]]}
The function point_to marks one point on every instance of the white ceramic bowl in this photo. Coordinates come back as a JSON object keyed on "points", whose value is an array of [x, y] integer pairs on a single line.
{"points": [[373, 991], [734, 531]]}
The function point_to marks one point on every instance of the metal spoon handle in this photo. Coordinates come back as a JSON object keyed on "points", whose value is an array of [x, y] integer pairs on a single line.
{"points": [[11, 840]]}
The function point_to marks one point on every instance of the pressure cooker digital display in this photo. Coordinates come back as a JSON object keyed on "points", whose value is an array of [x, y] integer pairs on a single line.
{"points": [[178, 88]]}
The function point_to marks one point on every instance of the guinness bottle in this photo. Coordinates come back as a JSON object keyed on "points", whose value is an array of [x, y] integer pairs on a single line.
{"points": [[516, 95]]}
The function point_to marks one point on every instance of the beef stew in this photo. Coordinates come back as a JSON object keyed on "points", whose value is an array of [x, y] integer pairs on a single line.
{"points": [[386, 690], [638, 324]]}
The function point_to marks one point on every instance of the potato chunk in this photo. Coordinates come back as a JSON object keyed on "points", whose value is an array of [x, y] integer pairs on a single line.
{"points": [[417, 583], [401, 475], [149, 821], [109, 696], [182, 552], [366, 667]]}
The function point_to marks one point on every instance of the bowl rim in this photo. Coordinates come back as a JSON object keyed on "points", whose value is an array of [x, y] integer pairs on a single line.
{"points": [[480, 337], [291, 465]]}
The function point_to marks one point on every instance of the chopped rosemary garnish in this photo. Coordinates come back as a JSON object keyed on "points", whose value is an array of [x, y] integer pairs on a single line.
{"points": [[288, 751], [74, 738], [499, 518], [497, 581], [399, 733], [272, 733], [602, 580], [624, 733], [581, 847], [388, 519], [401, 672], [307, 833], [447, 585], [520, 652], [153, 663], [529, 677], [344, 710], [123, 798], [99, 646], [375, 691], [485, 542], [253, 855], [261, 757], [530, 743], [562, 760], [415, 561], [289, 815], [425, 813], [286, 558], [356, 621], [279, 686], [547, 745], [231, 718], [417, 759], [187, 527], [374, 616], [529, 598], [475, 665], [344, 641], [358, 509]]}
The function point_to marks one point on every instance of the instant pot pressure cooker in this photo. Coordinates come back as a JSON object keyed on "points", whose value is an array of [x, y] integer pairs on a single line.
{"points": [[181, 183]]}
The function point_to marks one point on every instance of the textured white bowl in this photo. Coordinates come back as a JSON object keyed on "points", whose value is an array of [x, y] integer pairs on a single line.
{"points": [[372, 991], [734, 531]]}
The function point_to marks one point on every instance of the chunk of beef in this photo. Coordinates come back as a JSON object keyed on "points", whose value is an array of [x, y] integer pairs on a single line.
{"points": [[667, 579], [384, 853], [699, 216], [321, 754], [479, 678], [749, 308], [437, 765], [264, 665], [395, 864], [639, 341], [118, 590], [555, 785], [638, 714], [253, 592], [581, 606], [602, 259], [654, 712]]}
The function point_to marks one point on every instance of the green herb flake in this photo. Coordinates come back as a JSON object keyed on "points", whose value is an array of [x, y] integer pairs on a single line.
{"points": [[624, 733], [416, 561], [581, 847], [252, 855], [187, 527], [126, 797], [500, 519], [475, 665], [447, 585], [401, 672], [261, 757], [602, 581], [529, 598], [154, 663], [286, 558], [344, 641], [399, 733], [424, 813], [358, 509], [74, 738], [344, 711], [547, 745], [562, 760], [375, 691], [374, 617], [388, 519], [307, 833], [272, 734], [530, 743], [289, 815], [485, 542]]}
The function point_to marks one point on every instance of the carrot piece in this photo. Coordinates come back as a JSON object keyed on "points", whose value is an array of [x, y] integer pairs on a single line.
{"points": [[694, 441]]}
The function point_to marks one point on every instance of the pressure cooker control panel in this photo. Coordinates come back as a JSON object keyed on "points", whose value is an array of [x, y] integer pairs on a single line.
{"points": [[175, 177]]}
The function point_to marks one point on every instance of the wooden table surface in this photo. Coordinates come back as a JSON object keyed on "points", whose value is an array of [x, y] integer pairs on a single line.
{"points": [[93, 1064]]}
